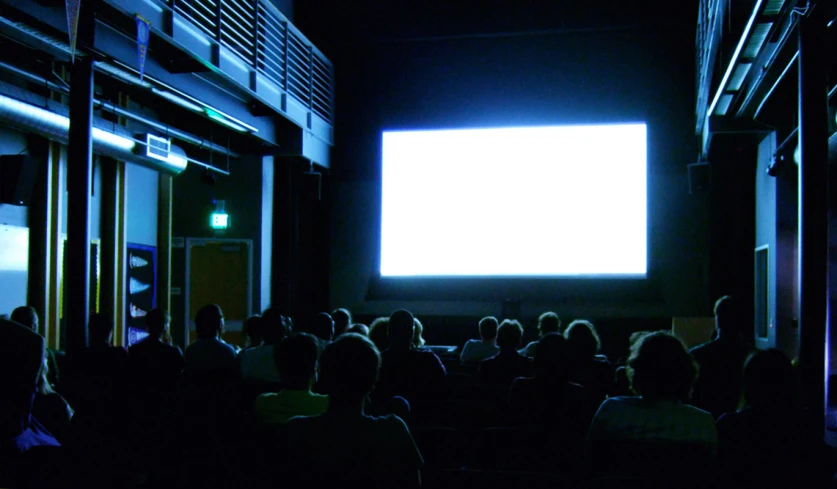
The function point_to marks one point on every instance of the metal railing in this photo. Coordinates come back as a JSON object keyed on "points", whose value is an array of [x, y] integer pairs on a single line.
{"points": [[710, 19], [257, 33]]}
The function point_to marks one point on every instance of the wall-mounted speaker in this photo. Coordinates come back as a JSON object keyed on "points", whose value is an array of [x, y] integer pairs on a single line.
{"points": [[17, 178], [700, 177]]}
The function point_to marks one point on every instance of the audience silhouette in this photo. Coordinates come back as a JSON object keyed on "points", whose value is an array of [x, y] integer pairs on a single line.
{"points": [[296, 359], [406, 371], [548, 322], [327, 408], [718, 387], [508, 364], [342, 321], [343, 446], [486, 347]]}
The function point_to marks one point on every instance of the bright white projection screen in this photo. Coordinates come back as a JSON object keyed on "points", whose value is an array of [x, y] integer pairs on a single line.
{"points": [[545, 201]]}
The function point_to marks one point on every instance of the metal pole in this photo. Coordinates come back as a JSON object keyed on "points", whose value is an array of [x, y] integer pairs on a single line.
{"points": [[79, 183], [813, 213]]}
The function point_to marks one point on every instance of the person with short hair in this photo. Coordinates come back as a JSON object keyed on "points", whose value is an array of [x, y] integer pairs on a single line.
{"points": [[476, 351], [360, 329], [548, 322], [155, 366], [586, 366], [322, 327], [718, 386], [378, 334], [296, 359], [405, 370], [344, 446], [209, 354], [662, 374], [342, 320], [508, 364], [253, 331], [259, 363]]}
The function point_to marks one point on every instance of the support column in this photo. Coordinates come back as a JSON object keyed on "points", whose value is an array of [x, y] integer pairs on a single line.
{"points": [[164, 216], [79, 184], [40, 221], [813, 213]]}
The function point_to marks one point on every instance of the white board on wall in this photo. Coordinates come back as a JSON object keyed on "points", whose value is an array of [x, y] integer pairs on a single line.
{"points": [[14, 267]]}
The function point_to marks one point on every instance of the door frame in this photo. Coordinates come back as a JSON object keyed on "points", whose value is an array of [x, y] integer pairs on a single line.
{"points": [[189, 242]]}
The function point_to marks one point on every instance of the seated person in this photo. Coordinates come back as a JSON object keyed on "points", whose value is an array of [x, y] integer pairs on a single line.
{"points": [[771, 442], [418, 331], [486, 347], [625, 430], [50, 409], [587, 368], [344, 447], [154, 365], [378, 333], [548, 398], [21, 359], [508, 364], [323, 329], [548, 322], [27, 316], [253, 331], [406, 371], [359, 328], [209, 354], [258, 363], [296, 360], [720, 361], [342, 321]]}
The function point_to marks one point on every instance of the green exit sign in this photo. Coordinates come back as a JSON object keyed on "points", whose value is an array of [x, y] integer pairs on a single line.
{"points": [[219, 220]]}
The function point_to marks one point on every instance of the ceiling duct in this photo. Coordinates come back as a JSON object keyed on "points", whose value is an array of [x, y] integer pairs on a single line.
{"points": [[26, 111]]}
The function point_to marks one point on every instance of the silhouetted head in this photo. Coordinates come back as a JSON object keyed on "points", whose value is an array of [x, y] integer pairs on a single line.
{"points": [[254, 331], [660, 367], [769, 379], [549, 322], [296, 360], [323, 326], [728, 319], [509, 334], [209, 321], [552, 358], [400, 330], [349, 367], [157, 323], [359, 328], [26, 316], [342, 320], [100, 329], [488, 328], [378, 333], [583, 339], [418, 330], [274, 326]]}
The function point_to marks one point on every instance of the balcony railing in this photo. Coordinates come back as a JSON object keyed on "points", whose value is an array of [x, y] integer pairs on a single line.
{"points": [[262, 38]]}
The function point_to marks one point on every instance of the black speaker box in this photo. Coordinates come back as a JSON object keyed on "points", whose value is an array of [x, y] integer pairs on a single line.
{"points": [[312, 183], [17, 178], [700, 177]]}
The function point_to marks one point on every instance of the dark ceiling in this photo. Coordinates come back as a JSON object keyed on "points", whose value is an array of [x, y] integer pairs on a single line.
{"points": [[335, 25]]}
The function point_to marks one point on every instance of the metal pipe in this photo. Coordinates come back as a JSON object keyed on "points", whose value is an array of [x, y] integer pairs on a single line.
{"points": [[812, 291], [79, 184], [175, 133]]}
